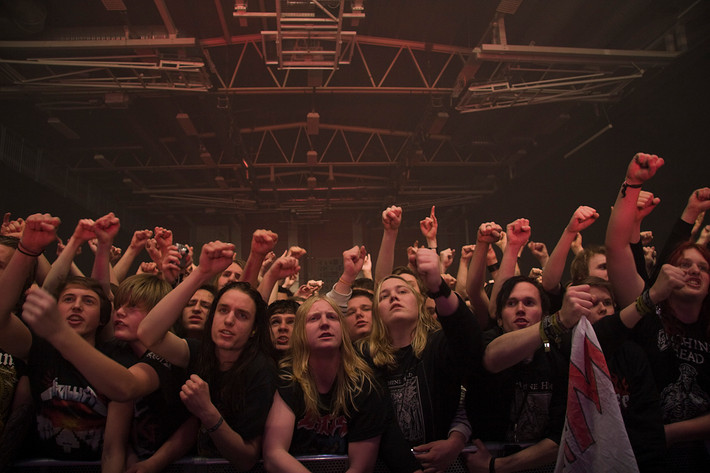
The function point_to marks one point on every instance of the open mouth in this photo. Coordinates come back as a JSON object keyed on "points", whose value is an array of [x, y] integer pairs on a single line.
{"points": [[325, 335], [75, 319], [282, 340], [521, 322], [362, 323], [693, 282]]}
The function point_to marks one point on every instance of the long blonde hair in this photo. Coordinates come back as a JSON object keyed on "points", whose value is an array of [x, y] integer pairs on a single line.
{"points": [[379, 342], [354, 375]]}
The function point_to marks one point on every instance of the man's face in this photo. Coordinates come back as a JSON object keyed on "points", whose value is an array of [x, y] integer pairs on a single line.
{"points": [[195, 312], [358, 317], [281, 330], [603, 304], [597, 266], [522, 308], [81, 308], [231, 274]]}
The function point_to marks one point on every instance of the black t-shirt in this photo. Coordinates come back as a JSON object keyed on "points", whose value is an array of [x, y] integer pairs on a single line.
{"points": [[328, 433], [71, 415], [159, 414], [248, 418], [524, 403], [639, 403], [11, 370], [425, 391], [681, 367]]}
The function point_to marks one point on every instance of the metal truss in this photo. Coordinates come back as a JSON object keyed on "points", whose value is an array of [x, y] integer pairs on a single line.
{"points": [[366, 49], [307, 34], [105, 73], [529, 75]]}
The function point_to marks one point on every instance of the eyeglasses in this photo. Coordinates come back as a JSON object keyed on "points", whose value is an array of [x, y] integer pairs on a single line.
{"points": [[686, 264]]}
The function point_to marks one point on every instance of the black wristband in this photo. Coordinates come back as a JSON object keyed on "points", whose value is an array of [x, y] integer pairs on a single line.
{"points": [[435, 249], [443, 291], [21, 248], [492, 465], [625, 185], [493, 267], [284, 290]]}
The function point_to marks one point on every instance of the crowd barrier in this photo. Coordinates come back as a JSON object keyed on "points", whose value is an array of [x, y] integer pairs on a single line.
{"points": [[315, 464]]}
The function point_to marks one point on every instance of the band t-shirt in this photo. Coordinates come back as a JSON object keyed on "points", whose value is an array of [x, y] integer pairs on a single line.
{"points": [[11, 369], [71, 415], [249, 418], [328, 433]]}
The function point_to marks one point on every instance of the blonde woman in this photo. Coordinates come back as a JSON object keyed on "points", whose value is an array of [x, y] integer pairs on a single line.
{"points": [[328, 401], [424, 363]]}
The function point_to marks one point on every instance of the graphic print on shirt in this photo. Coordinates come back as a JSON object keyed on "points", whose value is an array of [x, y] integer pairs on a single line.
{"points": [[8, 381], [530, 411], [407, 402], [74, 416], [684, 399], [325, 434]]}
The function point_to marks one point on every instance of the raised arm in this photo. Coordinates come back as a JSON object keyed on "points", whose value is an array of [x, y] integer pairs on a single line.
{"points": [[39, 232], [581, 219], [60, 269], [621, 267], [430, 227], [518, 234], [154, 329], [391, 220], [462, 272], [262, 242], [105, 229], [513, 347], [353, 259], [140, 237], [488, 233], [281, 268], [539, 251], [105, 375]]}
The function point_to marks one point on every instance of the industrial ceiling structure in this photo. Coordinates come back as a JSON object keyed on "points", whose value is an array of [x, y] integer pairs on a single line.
{"points": [[305, 107]]}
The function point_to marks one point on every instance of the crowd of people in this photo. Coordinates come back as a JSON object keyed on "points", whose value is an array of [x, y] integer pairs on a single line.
{"points": [[411, 366]]}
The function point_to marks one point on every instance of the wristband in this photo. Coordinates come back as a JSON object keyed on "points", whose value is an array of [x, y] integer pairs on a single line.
{"points": [[284, 290], [214, 427], [644, 305], [434, 248], [492, 268], [626, 185], [21, 248], [443, 291], [492, 465], [345, 282]]}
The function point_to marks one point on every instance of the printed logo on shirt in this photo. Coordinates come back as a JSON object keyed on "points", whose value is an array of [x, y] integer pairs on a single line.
{"points": [[407, 403], [684, 399], [328, 424], [83, 395], [158, 358], [686, 348]]}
